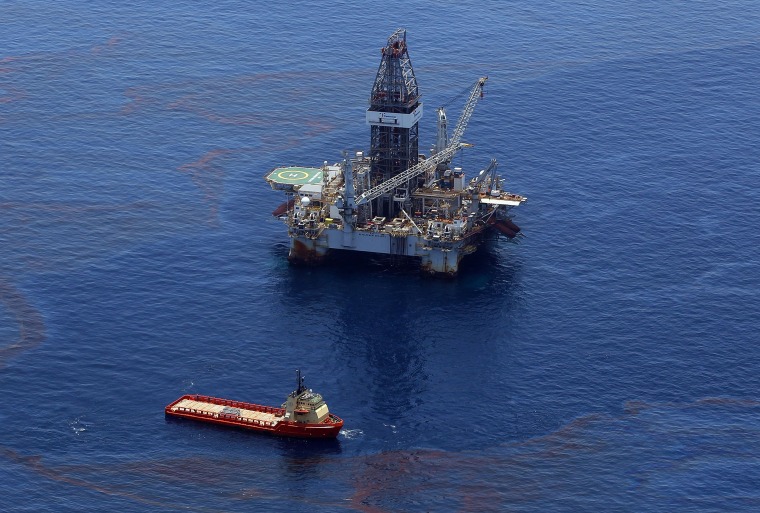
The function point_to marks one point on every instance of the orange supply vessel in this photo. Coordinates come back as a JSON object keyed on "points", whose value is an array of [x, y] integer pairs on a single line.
{"points": [[304, 414]]}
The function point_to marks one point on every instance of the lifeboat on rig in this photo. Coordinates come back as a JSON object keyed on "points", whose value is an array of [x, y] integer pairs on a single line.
{"points": [[304, 414]]}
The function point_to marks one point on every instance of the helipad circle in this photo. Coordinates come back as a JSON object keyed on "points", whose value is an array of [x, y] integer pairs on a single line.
{"points": [[292, 175]]}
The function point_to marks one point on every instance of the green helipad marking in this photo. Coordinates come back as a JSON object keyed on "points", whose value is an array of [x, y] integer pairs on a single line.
{"points": [[296, 175]]}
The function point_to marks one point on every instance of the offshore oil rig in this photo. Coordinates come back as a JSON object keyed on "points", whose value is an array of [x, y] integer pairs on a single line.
{"points": [[394, 200]]}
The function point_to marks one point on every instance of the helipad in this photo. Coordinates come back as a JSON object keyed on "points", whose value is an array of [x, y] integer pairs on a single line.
{"points": [[295, 175]]}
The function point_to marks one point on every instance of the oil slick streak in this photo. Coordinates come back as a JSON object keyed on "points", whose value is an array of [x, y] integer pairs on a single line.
{"points": [[15, 66], [31, 326], [35, 464], [111, 43], [208, 176], [593, 450], [29, 251], [255, 101], [667, 438]]}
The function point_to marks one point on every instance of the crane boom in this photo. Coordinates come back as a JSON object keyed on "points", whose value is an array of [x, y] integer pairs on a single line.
{"points": [[475, 94], [443, 136], [455, 144], [485, 173]]}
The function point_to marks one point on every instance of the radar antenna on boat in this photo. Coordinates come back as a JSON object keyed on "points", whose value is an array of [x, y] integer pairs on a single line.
{"points": [[301, 388]]}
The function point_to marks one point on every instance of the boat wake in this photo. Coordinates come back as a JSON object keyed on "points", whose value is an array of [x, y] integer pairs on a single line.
{"points": [[78, 426], [392, 426], [351, 434]]}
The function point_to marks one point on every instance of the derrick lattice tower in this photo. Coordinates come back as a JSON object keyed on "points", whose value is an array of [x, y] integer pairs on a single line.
{"points": [[393, 114]]}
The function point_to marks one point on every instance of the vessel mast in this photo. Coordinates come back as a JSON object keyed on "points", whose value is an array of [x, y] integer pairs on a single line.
{"points": [[301, 388], [393, 113]]}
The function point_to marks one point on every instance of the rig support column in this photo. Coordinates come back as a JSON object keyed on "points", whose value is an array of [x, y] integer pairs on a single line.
{"points": [[440, 261], [304, 250]]}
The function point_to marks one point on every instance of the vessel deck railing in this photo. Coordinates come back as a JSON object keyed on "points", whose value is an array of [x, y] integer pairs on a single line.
{"points": [[238, 404], [228, 417]]}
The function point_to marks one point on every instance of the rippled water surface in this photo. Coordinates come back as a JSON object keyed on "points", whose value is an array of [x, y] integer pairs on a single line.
{"points": [[608, 362]]}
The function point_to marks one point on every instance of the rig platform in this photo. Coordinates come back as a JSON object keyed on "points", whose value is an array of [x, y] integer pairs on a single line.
{"points": [[394, 200]]}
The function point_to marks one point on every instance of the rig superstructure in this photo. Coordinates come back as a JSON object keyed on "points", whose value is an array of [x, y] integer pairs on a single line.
{"points": [[394, 200]]}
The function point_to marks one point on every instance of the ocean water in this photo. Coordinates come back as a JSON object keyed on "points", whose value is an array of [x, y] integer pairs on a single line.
{"points": [[609, 362]]}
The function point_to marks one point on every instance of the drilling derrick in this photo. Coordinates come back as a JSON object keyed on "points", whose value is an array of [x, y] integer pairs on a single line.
{"points": [[393, 113]]}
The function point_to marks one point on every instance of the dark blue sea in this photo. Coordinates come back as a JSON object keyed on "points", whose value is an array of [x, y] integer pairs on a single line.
{"points": [[609, 362]]}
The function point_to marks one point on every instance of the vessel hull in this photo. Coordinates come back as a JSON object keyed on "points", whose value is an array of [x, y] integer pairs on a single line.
{"points": [[276, 426]]}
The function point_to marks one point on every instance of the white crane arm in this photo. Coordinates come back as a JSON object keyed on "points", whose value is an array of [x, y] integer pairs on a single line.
{"points": [[475, 95]]}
